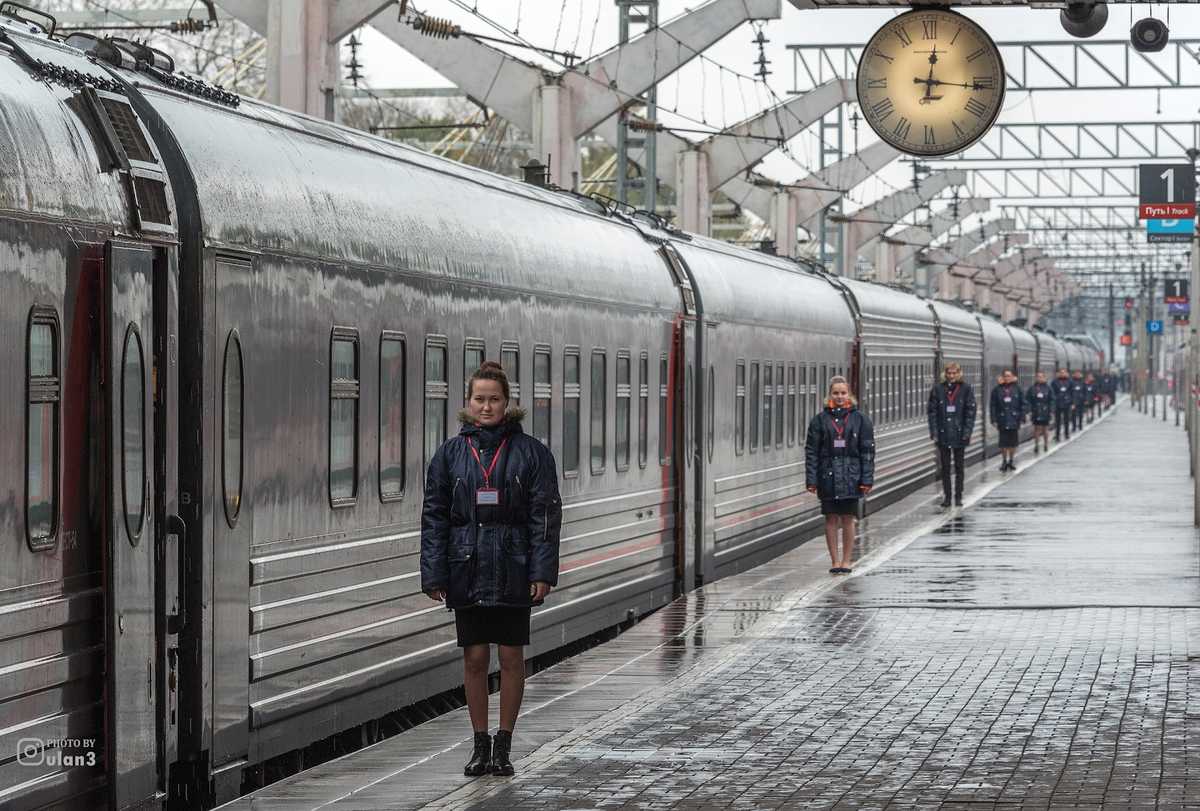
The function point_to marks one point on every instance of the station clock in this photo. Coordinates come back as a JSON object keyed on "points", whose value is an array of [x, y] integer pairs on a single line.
{"points": [[931, 82]]}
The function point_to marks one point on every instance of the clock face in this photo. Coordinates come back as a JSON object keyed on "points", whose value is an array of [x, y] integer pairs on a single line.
{"points": [[931, 82]]}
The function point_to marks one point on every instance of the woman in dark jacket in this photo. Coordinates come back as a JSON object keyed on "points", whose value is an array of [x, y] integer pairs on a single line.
{"points": [[839, 466], [489, 548], [951, 413], [1007, 410], [1039, 402]]}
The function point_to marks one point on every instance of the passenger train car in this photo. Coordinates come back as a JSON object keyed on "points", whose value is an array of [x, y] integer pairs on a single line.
{"points": [[234, 336]]}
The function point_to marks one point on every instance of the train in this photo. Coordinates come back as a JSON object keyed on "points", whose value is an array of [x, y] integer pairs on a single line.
{"points": [[235, 335]]}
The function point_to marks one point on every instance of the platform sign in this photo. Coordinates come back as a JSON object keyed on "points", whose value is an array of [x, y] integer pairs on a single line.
{"points": [[1178, 232], [1175, 291], [1154, 327], [1173, 308], [1126, 340], [1166, 191], [1182, 322]]}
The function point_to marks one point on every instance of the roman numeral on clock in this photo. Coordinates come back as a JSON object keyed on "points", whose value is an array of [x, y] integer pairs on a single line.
{"points": [[929, 137], [902, 128], [975, 107], [930, 29], [973, 56], [958, 131], [883, 109], [877, 84], [903, 36], [983, 82]]}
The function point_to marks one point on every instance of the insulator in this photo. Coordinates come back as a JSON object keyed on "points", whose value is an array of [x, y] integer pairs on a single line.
{"points": [[189, 26], [642, 125], [435, 27]]}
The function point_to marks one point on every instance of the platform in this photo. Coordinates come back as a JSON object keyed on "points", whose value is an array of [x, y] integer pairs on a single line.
{"points": [[1033, 649]]}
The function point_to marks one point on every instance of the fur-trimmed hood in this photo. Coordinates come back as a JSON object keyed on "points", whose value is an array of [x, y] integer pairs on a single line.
{"points": [[514, 413]]}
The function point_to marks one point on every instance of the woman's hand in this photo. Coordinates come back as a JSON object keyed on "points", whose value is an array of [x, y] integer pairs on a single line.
{"points": [[812, 489], [538, 589], [437, 594], [864, 488]]}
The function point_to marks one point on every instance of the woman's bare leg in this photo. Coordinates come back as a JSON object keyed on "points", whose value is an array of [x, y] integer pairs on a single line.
{"points": [[847, 540], [476, 660], [831, 539], [512, 683]]}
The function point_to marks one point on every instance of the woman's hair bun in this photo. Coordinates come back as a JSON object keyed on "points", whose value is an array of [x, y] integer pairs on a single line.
{"points": [[491, 364]]}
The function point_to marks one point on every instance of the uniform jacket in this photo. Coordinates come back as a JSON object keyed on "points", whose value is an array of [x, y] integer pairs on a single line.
{"points": [[1040, 408], [838, 473], [1064, 393], [1078, 392], [951, 429], [1091, 393], [1007, 416], [486, 555], [1108, 384]]}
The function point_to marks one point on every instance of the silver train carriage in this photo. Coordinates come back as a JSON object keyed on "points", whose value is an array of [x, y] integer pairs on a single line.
{"points": [[234, 337]]}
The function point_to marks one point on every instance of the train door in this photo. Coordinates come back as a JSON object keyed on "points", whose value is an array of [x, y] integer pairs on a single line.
{"points": [[683, 385], [131, 706], [231, 527]]}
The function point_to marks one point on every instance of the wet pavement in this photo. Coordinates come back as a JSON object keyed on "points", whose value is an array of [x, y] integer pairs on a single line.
{"points": [[1035, 649]]}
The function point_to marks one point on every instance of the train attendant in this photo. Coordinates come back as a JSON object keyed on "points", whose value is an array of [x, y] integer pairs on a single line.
{"points": [[489, 548], [1007, 412], [839, 465], [1108, 388], [1064, 404], [1039, 403], [1078, 396], [951, 413], [1091, 396]]}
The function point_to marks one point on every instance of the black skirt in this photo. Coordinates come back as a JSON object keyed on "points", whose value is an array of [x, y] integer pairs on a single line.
{"points": [[492, 625], [839, 506], [1009, 437]]}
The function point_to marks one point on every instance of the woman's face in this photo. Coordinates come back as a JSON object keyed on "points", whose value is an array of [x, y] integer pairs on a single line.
{"points": [[840, 395], [488, 403]]}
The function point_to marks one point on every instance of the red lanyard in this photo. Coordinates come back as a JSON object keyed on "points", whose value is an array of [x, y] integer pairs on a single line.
{"points": [[1007, 390], [841, 430], [950, 396], [487, 474]]}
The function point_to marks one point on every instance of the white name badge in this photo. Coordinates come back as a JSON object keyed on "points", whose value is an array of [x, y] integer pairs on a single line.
{"points": [[839, 443], [950, 409], [1008, 399], [1040, 395], [487, 495]]}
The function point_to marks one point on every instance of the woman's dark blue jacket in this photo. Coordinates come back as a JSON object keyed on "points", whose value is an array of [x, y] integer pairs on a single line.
{"points": [[1007, 416], [489, 555], [951, 429], [838, 473], [1041, 409]]}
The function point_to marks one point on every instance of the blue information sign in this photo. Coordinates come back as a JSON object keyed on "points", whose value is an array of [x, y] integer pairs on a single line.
{"points": [[1176, 231], [1154, 327], [1186, 307]]}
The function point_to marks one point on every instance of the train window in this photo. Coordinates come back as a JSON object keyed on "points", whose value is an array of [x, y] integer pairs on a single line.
{"points": [[802, 393], [754, 406], [474, 352], [779, 405], [739, 409], [623, 397], [42, 436], [599, 406], [510, 359], [663, 388], [571, 393], [232, 429], [710, 405], [541, 394], [343, 417], [814, 395], [768, 393], [392, 417], [133, 433], [437, 393], [643, 409], [791, 399]]}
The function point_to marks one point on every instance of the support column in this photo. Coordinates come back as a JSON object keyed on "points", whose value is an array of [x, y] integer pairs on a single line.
{"points": [[784, 222], [302, 64], [552, 141], [691, 196]]}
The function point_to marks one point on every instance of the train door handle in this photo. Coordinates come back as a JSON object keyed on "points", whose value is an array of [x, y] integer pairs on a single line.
{"points": [[177, 621]]}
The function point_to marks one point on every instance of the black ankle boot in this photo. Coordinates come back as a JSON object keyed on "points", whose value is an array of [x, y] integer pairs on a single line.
{"points": [[482, 756], [501, 765]]}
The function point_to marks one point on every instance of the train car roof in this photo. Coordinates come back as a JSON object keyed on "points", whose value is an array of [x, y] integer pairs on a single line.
{"points": [[880, 301], [743, 286], [995, 334], [952, 315], [270, 179], [49, 162], [1022, 338]]}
